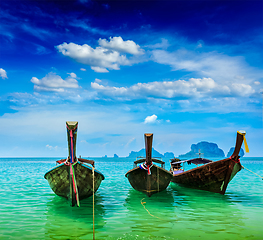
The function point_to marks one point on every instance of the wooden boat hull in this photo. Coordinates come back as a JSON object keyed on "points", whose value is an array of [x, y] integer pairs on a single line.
{"points": [[213, 177], [59, 181], [157, 181]]}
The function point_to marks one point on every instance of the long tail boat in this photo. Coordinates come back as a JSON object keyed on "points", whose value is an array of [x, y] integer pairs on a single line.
{"points": [[73, 178], [148, 177], [213, 176]]}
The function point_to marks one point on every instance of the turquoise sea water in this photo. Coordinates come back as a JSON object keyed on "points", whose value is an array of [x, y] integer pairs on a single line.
{"points": [[30, 210]]}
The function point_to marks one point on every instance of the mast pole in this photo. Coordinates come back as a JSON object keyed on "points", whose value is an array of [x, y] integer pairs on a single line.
{"points": [[148, 137], [72, 128]]}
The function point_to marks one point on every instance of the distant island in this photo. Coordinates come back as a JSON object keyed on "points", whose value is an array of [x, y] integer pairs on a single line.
{"points": [[207, 150], [141, 153]]}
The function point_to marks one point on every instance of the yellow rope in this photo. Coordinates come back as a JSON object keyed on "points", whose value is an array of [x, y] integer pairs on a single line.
{"points": [[252, 172], [93, 204], [147, 209], [245, 141]]}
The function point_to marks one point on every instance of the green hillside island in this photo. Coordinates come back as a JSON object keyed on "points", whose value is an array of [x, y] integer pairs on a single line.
{"points": [[208, 150], [155, 153]]}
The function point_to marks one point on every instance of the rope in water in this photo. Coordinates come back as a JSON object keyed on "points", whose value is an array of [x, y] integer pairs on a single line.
{"points": [[148, 210], [93, 203], [252, 172]]}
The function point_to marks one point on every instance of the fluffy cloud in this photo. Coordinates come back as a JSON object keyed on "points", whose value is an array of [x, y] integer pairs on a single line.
{"points": [[54, 83], [3, 74], [108, 56], [117, 44], [150, 119], [180, 89]]}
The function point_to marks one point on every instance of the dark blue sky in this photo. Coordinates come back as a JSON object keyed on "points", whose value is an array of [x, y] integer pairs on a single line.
{"points": [[180, 69]]}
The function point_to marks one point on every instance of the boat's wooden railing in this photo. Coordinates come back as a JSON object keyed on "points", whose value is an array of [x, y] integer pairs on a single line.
{"points": [[91, 162], [143, 159], [82, 160]]}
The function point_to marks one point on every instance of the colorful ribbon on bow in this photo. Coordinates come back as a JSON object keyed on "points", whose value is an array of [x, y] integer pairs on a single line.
{"points": [[146, 167]]}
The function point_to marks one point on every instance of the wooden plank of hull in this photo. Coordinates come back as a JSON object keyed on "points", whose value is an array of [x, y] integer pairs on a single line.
{"points": [[59, 181], [149, 184], [213, 177]]}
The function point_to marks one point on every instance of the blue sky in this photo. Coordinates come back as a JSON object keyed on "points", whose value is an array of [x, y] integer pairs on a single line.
{"points": [[187, 71]]}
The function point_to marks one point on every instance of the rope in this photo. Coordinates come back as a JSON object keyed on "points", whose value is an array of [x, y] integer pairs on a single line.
{"points": [[75, 186], [245, 141], [148, 210], [252, 172], [93, 203]]}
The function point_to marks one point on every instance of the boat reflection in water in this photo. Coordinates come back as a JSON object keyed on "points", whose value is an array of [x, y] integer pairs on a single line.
{"points": [[74, 223]]}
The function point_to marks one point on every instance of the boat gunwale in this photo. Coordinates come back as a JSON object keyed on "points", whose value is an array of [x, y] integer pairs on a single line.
{"points": [[202, 166], [138, 167], [82, 164]]}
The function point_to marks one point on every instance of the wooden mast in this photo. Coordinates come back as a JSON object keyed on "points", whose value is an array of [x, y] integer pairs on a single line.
{"points": [[239, 141], [72, 139], [235, 157], [148, 147]]}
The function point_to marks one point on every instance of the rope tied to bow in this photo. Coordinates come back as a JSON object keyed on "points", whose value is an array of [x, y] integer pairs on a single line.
{"points": [[245, 141]]}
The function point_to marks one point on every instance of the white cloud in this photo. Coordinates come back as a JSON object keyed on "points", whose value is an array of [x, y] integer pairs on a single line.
{"points": [[150, 119], [73, 75], [117, 44], [193, 88], [3, 73], [108, 56], [99, 69], [130, 141], [163, 45], [51, 147], [54, 83], [243, 90], [220, 67], [83, 69]]}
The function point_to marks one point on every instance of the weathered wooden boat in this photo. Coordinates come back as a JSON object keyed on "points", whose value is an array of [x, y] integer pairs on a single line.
{"points": [[148, 177], [73, 178], [213, 176]]}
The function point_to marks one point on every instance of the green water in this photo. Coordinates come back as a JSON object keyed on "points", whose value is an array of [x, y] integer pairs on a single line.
{"points": [[30, 210]]}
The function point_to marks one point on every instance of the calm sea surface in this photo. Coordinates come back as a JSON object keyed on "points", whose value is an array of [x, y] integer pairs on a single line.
{"points": [[30, 210]]}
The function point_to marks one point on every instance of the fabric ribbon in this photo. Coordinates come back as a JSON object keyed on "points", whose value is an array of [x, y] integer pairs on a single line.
{"points": [[245, 141], [75, 187], [146, 167]]}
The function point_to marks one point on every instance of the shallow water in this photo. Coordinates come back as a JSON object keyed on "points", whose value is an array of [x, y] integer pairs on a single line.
{"points": [[30, 210]]}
